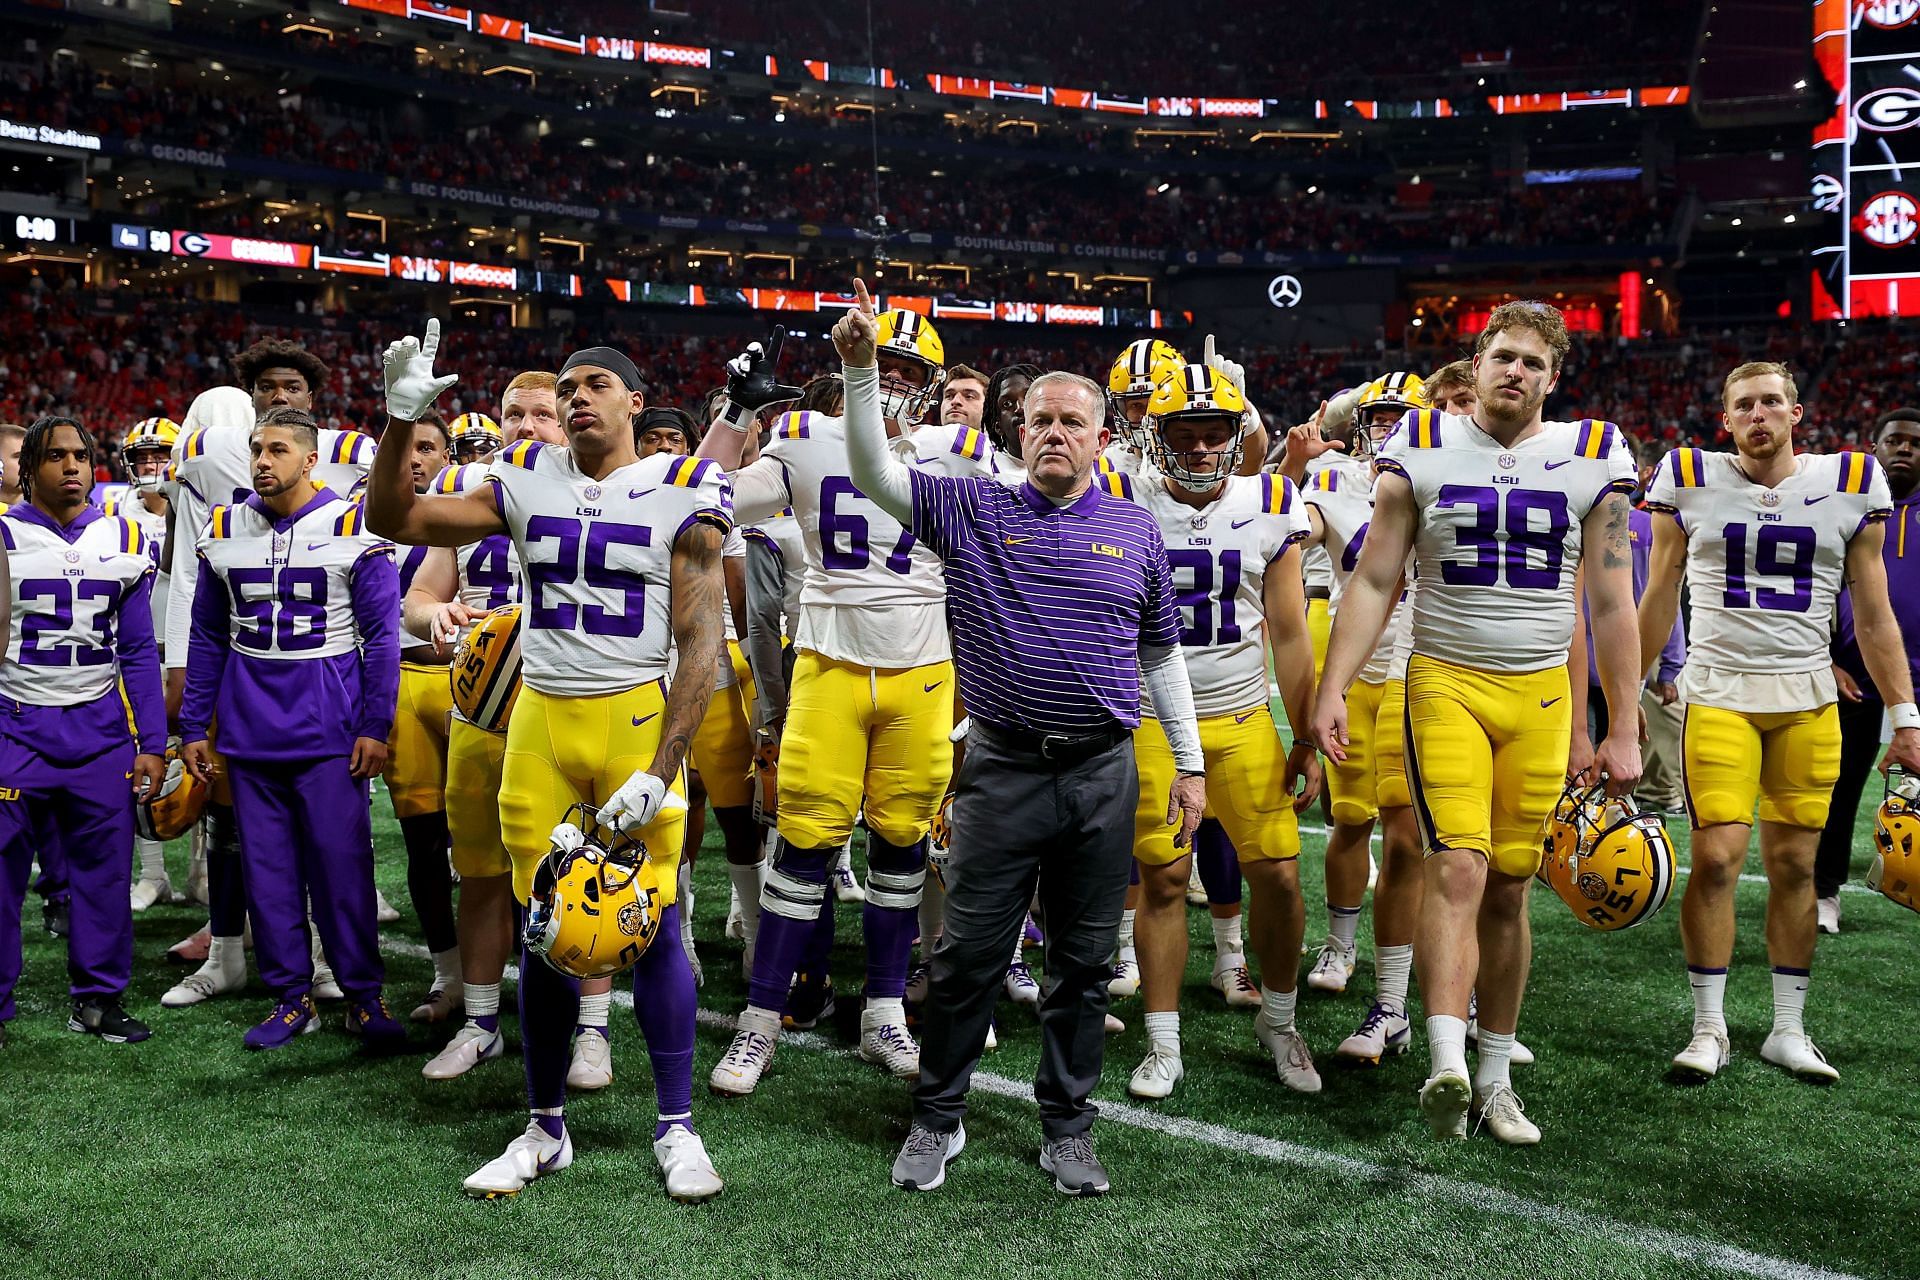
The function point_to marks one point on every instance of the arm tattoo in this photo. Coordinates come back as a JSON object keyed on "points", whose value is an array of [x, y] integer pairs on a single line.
{"points": [[699, 603], [1614, 553]]}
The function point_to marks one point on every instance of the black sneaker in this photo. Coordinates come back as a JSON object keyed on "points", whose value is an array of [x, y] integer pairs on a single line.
{"points": [[809, 1003], [102, 1016], [57, 915]]}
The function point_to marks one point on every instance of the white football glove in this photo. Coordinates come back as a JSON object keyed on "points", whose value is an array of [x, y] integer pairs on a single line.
{"points": [[411, 386], [1235, 372], [566, 837], [639, 800]]}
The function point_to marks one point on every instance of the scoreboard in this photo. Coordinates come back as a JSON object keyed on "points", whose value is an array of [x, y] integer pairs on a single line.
{"points": [[1866, 156]]}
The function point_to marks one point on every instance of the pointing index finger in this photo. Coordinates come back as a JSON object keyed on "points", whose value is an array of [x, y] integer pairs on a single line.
{"points": [[1207, 355], [861, 297], [776, 340]]}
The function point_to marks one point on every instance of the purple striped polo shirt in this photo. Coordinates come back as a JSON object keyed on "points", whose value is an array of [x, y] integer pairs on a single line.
{"points": [[1049, 605]]}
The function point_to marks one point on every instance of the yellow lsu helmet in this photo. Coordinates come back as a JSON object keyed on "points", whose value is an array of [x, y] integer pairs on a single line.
{"points": [[1610, 863], [171, 812], [1195, 391], [475, 437], [1135, 372], [1395, 393], [1896, 841], [909, 336], [149, 435], [596, 901], [485, 673]]}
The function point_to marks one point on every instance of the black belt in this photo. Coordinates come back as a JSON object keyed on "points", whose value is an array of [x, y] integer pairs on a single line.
{"points": [[1319, 593], [1051, 750]]}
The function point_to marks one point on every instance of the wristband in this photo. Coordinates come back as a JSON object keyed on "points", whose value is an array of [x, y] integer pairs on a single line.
{"points": [[1904, 715], [736, 417]]}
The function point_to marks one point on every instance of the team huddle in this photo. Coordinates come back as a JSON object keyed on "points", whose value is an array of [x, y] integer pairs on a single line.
{"points": [[561, 638]]}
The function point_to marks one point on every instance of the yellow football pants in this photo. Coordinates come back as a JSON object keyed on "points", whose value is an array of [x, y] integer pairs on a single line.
{"points": [[417, 747], [1787, 760], [1245, 771], [1374, 774], [722, 750], [474, 765]]}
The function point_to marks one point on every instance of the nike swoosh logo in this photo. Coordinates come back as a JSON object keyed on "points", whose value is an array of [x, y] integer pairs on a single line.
{"points": [[1547, 702], [315, 546], [104, 559], [1014, 542], [1822, 498], [1555, 466], [640, 493], [640, 720], [929, 688], [1241, 524], [1243, 719]]}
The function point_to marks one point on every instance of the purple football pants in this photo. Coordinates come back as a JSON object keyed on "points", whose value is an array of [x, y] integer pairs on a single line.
{"points": [[306, 832]]}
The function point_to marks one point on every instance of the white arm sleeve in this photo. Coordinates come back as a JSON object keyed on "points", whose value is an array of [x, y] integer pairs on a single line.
{"points": [[759, 491], [1164, 669], [184, 577], [876, 472]]}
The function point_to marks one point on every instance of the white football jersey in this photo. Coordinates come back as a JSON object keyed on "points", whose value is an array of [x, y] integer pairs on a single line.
{"points": [[126, 502], [597, 561], [1499, 538], [488, 570], [1219, 554], [345, 459], [1314, 561], [1343, 495], [66, 600], [290, 589], [782, 533], [1764, 566], [212, 466]]}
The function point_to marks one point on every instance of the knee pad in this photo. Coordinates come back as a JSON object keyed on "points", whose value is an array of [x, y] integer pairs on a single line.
{"points": [[796, 884], [896, 874]]}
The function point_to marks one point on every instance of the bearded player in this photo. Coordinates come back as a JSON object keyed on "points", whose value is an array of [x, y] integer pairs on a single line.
{"points": [[621, 561], [1502, 513], [1766, 539]]}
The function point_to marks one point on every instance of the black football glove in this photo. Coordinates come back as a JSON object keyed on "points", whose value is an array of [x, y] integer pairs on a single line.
{"points": [[753, 375]]}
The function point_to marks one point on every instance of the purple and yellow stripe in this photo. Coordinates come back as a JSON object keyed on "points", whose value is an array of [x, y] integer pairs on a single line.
{"points": [[521, 453], [195, 444], [1424, 430], [350, 520], [970, 442], [1327, 481], [687, 472], [1276, 499], [220, 522], [794, 426], [1688, 468], [1856, 472], [1117, 483], [1596, 438], [129, 537]]}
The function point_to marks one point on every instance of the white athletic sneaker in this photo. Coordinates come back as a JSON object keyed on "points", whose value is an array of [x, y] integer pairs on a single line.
{"points": [[1021, 988], [1501, 1113], [1795, 1051], [1519, 1056], [1196, 891], [1826, 914], [325, 985], [383, 911], [683, 1159], [993, 1041], [1157, 1073], [1382, 1032], [1444, 1100], [1290, 1057], [147, 892], [471, 1045], [1703, 1057], [845, 887], [1230, 979], [1125, 980], [592, 1065], [739, 1070], [209, 980], [531, 1155], [886, 1044], [1331, 968], [736, 923], [441, 1003]]}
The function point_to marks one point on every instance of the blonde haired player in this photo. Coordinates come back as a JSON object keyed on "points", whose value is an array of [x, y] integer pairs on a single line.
{"points": [[1766, 539], [1502, 512]]}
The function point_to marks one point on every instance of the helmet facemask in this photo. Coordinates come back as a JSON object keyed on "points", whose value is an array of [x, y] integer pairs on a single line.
{"points": [[153, 480], [900, 400], [1184, 466]]}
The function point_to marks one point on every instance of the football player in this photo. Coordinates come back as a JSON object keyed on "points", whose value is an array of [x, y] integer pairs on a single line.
{"points": [[12, 434], [476, 437], [453, 588], [621, 560], [1143, 365], [148, 451], [1450, 389], [872, 691], [295, 647], [1006, 411], [963, 398], [1502, 512], [1232, 542], [81, 632], [1766, 537]]}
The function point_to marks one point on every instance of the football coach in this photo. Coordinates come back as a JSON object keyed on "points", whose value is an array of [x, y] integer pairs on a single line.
{"points": [[1061, 603]]}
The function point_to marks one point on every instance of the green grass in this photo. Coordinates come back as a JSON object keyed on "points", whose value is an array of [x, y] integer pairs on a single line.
{"points": [[186, 1156]]}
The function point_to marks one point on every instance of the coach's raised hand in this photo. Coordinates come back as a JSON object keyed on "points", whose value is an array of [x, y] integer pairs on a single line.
{"points": [[854, 335], [408, 366]]}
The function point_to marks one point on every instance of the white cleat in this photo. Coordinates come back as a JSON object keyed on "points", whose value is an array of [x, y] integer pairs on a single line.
{"points": [[1331, 968], [1444, 1100], [209, 980], [1157, 1073], [1826, 914], [845, 887], [1500, 1112], [1291, 1061], [147, 892], [1795, 1051], [440, 1005], [1519, 1056], [1381, 1033], [471, 1045], [384, 911], [886, 1044], [1020, 986], [683, 1159], [1231, 979], [1125, 979], [531, 1155], [1704, 1057], [738, 1072], [592, 1065]]}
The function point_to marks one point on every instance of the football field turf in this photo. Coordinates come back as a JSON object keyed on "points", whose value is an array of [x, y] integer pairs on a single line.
{"points": [[186, 1156]]}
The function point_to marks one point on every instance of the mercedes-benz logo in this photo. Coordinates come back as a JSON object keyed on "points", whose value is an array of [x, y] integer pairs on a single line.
{"points": [[1284, 291]]}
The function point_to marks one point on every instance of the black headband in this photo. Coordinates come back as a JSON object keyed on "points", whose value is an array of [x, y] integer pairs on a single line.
{"points": [[609, 359]]}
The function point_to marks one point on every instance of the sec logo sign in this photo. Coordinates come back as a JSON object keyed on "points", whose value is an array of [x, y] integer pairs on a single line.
{"points": [[1889, 110], [1889, 14], [1888, 220]]}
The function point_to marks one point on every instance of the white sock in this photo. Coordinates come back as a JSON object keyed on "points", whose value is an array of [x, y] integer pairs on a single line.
{"points": [[593, 1011], [1789, 999], [229, 955], [482, 999], [1126, 935], [1447, 1043], [1343, 924], [1163, 1031], [1019, 949], [747, 883], [1226, 935], [1496, 1058], [683, 893], [1709, 997], [1277, 1006], [1392, 967], [153, 858], [893, 1010], [845, 860], [765, 1021], [446, 969]]}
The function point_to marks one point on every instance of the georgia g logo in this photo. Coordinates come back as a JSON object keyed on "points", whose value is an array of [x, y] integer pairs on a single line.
{"points": [[1889, 110]]}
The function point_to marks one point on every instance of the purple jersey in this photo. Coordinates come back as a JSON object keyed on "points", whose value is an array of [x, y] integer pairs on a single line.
{"points": [[1902, 557]]}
